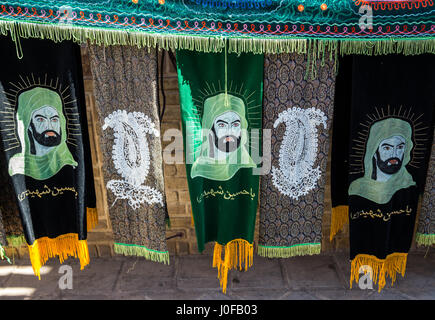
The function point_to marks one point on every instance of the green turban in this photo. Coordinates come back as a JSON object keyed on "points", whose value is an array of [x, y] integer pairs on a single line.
{"points": [[39, 167], [381, 192], [223, 169]]}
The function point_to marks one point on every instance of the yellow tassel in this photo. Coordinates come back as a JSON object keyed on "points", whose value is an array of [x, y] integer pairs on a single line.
{"points": [[394, 263], [238, 252], [91, 218], [217, 254], [63, 246], [339, 218]]}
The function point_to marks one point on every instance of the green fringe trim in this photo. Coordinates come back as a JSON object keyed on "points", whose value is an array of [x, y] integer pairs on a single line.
{"points": [[3, 254], [16, 241], [107, 37], [317, 47], [425, 239], [302, 249], [314, 48], [391, 46], [141, 251], [272, 46]]}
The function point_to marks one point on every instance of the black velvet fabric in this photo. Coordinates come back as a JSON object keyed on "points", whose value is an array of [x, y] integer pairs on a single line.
{"points": [[383, 129], [51, 202]]}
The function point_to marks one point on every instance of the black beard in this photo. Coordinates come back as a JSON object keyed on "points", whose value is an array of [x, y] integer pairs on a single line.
{"points": [[385, 168], [49, 141], [225, 146]]}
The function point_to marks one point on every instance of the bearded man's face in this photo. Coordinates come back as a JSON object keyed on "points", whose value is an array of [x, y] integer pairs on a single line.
{"points": [[389, 155], [45, 126], [227, 131]]}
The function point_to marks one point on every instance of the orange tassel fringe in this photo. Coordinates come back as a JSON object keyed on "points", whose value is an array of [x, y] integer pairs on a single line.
{"points": [[394, 263], [339, 218], [91, 218], [63, 246], [238, 252]]}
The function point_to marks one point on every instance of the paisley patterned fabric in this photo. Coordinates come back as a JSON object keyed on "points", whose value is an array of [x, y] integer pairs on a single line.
{"points": [[126, 96], [426, 224], [298, 112]]}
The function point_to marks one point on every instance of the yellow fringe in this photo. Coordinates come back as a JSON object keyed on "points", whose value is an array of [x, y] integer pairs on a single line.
{"points": [[63, 246], [237, 252], [339, 218], [91, 218], [394, 263]]}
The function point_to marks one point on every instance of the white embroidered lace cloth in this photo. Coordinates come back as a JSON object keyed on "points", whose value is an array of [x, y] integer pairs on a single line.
{"points": [[296, 174], [130, 155]]}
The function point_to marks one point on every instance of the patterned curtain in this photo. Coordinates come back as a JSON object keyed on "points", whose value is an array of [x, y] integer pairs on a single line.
{"points": [[298, 111], [126, 95]]}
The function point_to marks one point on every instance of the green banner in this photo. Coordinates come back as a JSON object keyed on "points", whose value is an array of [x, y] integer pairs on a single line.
{"points": [[221, 109]]}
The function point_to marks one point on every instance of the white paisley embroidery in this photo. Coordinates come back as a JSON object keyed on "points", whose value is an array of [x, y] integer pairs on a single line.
{"points": [[296, 174], [131, 157]]}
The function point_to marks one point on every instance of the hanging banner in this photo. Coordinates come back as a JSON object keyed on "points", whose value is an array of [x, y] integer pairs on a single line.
{"points": [[125, 82], [221, 110], [46, 144], [391, 128], [298, 112]]}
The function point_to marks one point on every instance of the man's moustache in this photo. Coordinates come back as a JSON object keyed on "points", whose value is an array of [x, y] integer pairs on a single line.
{"points": [[393, 161], [49, 133]]}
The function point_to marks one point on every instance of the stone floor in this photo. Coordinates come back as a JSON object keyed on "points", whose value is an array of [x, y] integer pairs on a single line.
{"points": [[320, 277]]}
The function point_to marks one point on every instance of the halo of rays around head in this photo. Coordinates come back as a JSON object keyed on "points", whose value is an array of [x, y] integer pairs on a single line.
{"points": [[8, 122], [210, 89], [419, 134]]}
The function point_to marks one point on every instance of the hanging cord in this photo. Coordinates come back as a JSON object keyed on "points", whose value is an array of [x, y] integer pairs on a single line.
{"points": [[173, 59], [427, 251], [162, 88]]}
